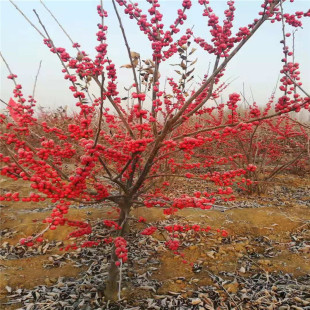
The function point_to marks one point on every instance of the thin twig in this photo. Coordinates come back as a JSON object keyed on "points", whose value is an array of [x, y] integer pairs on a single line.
{"points": [[296, 84], [53, 45], [65, 32], [28, 20], [120, 280], [8, 67], [36, 78], [128, 50]]}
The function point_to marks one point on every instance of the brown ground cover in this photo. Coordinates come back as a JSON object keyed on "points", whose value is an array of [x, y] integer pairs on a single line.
{"points": [[274, 237]]}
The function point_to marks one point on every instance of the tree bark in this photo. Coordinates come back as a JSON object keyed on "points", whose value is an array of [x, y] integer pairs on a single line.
{"points": [[112, 284], [111, 289]]}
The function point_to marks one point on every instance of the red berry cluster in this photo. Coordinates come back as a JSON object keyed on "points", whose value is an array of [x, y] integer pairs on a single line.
{"points": [[121, 250], [173, 245], [149, 231], [110, 223]]}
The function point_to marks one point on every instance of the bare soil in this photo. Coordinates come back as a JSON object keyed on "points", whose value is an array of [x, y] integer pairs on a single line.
{"points": [[262, 230]]}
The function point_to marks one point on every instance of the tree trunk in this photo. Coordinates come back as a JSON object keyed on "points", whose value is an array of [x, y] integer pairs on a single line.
{"points": [[123, 220], [111, 289], [112, 284]]}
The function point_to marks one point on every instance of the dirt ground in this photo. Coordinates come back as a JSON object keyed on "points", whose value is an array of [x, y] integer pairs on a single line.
{"points": [[267, 229]]}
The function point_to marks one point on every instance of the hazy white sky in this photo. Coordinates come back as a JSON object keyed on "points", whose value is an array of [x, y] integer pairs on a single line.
{"points": [[257, 65]]}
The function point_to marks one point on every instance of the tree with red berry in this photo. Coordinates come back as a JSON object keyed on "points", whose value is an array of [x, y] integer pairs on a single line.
{"points": [[125, 154]]}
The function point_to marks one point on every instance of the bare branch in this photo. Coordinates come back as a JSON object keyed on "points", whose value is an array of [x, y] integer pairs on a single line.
{"points": [[28, 20], [8, 67], [36, 78], [65, 32]]}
